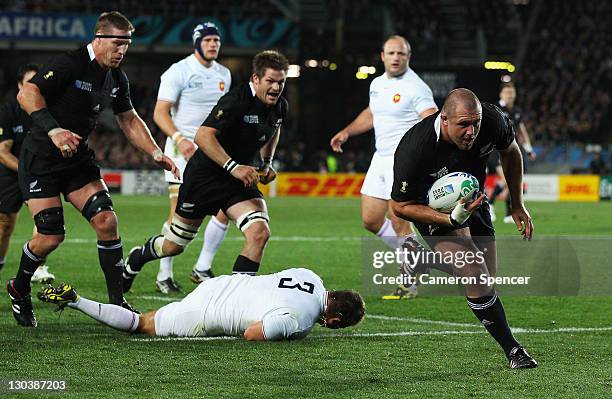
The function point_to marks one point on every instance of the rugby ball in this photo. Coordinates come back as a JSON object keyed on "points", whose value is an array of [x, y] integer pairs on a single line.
{"points": [[448, 190]]}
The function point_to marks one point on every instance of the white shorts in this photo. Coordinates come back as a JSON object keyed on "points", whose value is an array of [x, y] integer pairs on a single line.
{"points": [[172, 152], [379, 179], [185, 318]]}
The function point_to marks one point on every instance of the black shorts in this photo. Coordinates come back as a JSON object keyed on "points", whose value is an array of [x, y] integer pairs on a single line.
{"points": [[204, 193], [36, 182], [10, 194], [480, 225]]}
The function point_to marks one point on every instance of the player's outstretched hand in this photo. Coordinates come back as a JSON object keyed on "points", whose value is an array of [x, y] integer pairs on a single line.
{"points": [[523, 222], [337, 141], [166, 163], [249, 175], [187, 148], [267, 174], [66, 141]]}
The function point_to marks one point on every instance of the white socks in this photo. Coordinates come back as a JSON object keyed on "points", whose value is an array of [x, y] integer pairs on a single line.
{"points": [[213, 237], [112, 315], [165, 264], [388, 235]]}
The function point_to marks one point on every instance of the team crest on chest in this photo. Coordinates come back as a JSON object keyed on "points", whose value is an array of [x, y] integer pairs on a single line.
{"points": [[222, 85], [396, 97]]}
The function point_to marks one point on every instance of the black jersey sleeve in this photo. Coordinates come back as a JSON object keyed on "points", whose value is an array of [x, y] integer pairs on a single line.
{"points": [[6, 122], [503, 128], [53, 78], [122, 102], [226, 112], [407, 174]]}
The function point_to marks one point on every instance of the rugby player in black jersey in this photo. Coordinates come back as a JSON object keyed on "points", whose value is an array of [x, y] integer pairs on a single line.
{"points": [[64, 100], [244, 124], [460, 138]]}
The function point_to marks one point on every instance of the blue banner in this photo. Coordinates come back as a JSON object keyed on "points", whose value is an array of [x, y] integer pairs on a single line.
{"points": [[246, 33]]}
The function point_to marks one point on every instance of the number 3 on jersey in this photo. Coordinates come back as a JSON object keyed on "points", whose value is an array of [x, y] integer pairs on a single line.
{"points": [[285, 283]]}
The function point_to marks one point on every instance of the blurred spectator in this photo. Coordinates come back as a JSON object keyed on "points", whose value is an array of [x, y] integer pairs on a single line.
{"points": [[597, 165]]}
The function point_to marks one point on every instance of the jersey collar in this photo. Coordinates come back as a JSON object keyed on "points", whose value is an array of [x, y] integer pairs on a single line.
{"points": [[90, 51], [437, 127], [324, 301], [252, 88]]}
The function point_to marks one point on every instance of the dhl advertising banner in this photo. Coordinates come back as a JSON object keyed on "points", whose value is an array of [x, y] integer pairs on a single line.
{"points": [[583, 188], [318, 185]]}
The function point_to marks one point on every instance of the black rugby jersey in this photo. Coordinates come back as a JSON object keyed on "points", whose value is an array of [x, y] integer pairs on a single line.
{"points": [[514, 114], [76, 90], [421, 157], [14, 124], [245, 125]]}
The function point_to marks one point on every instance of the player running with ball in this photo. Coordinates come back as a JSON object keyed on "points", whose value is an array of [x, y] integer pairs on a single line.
{"points": [[460, 139]]}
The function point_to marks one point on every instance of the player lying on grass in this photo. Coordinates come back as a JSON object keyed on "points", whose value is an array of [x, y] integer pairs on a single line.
{"points": [[284, 305]]}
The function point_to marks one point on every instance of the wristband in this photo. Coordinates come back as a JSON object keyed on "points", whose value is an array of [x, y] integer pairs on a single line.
{"points": [[230, 165], [267, 160], [177, 137], [157, 155], [528, 148], [459, 215], [43, 119]]}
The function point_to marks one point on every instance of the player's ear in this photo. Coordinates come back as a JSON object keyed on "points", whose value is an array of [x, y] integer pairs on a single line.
{"points": [[332, 322], [382, 56], [255, 78]]}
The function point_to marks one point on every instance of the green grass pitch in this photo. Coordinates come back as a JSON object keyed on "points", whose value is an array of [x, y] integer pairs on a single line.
{"points": [[427, 347]]}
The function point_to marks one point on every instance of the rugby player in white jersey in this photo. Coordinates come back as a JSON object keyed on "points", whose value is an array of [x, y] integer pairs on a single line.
{"points": [[188, 91], [284, 305], [398, 100]]}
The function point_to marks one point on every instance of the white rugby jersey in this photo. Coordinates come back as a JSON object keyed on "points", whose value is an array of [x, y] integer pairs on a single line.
{"points": [[396, 104], [289, 303], [194, 90]]}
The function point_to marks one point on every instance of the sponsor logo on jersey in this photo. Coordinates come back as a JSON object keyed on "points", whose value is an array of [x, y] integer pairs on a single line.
{"points": [[187, 207], [396, 97], [279, 121], [222, 85], [373, 93], [440, 173], [48, 75], [195, 85], [262, 138], [33, 185], [114, 92], [96, 108], [85, 86], [219, 114], [17, 129], [404, 186], [250, 119]]}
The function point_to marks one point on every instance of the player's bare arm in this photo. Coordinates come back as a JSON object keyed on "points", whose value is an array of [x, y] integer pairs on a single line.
{"points": [[6, 157], [267, 172], [206, 139], [363, 123], [255, 332], [163, 119], [420, 213], [523, 138], [512, 164], [138, 133], [33, 102]]}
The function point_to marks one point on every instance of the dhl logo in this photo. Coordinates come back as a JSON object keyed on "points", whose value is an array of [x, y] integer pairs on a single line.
{"points": [[579, 189], [315, 185]]}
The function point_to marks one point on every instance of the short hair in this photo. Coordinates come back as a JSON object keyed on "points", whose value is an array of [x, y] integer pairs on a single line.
{"points": [[507, 85], [398, 37], [25, 69], [114, 19], [348, 305], [458, 96], [269, 59]]}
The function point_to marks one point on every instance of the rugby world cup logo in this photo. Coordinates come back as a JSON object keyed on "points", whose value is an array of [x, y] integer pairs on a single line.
{"points": [[469, 188]]}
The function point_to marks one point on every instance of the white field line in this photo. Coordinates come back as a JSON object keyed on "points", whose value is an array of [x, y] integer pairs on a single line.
{"points": [[422, 321], [392, 334]]}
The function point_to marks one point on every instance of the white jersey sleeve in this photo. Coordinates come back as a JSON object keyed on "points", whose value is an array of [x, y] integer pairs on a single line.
{"points": [[171, 85], [280, 325], [423, 97]]}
